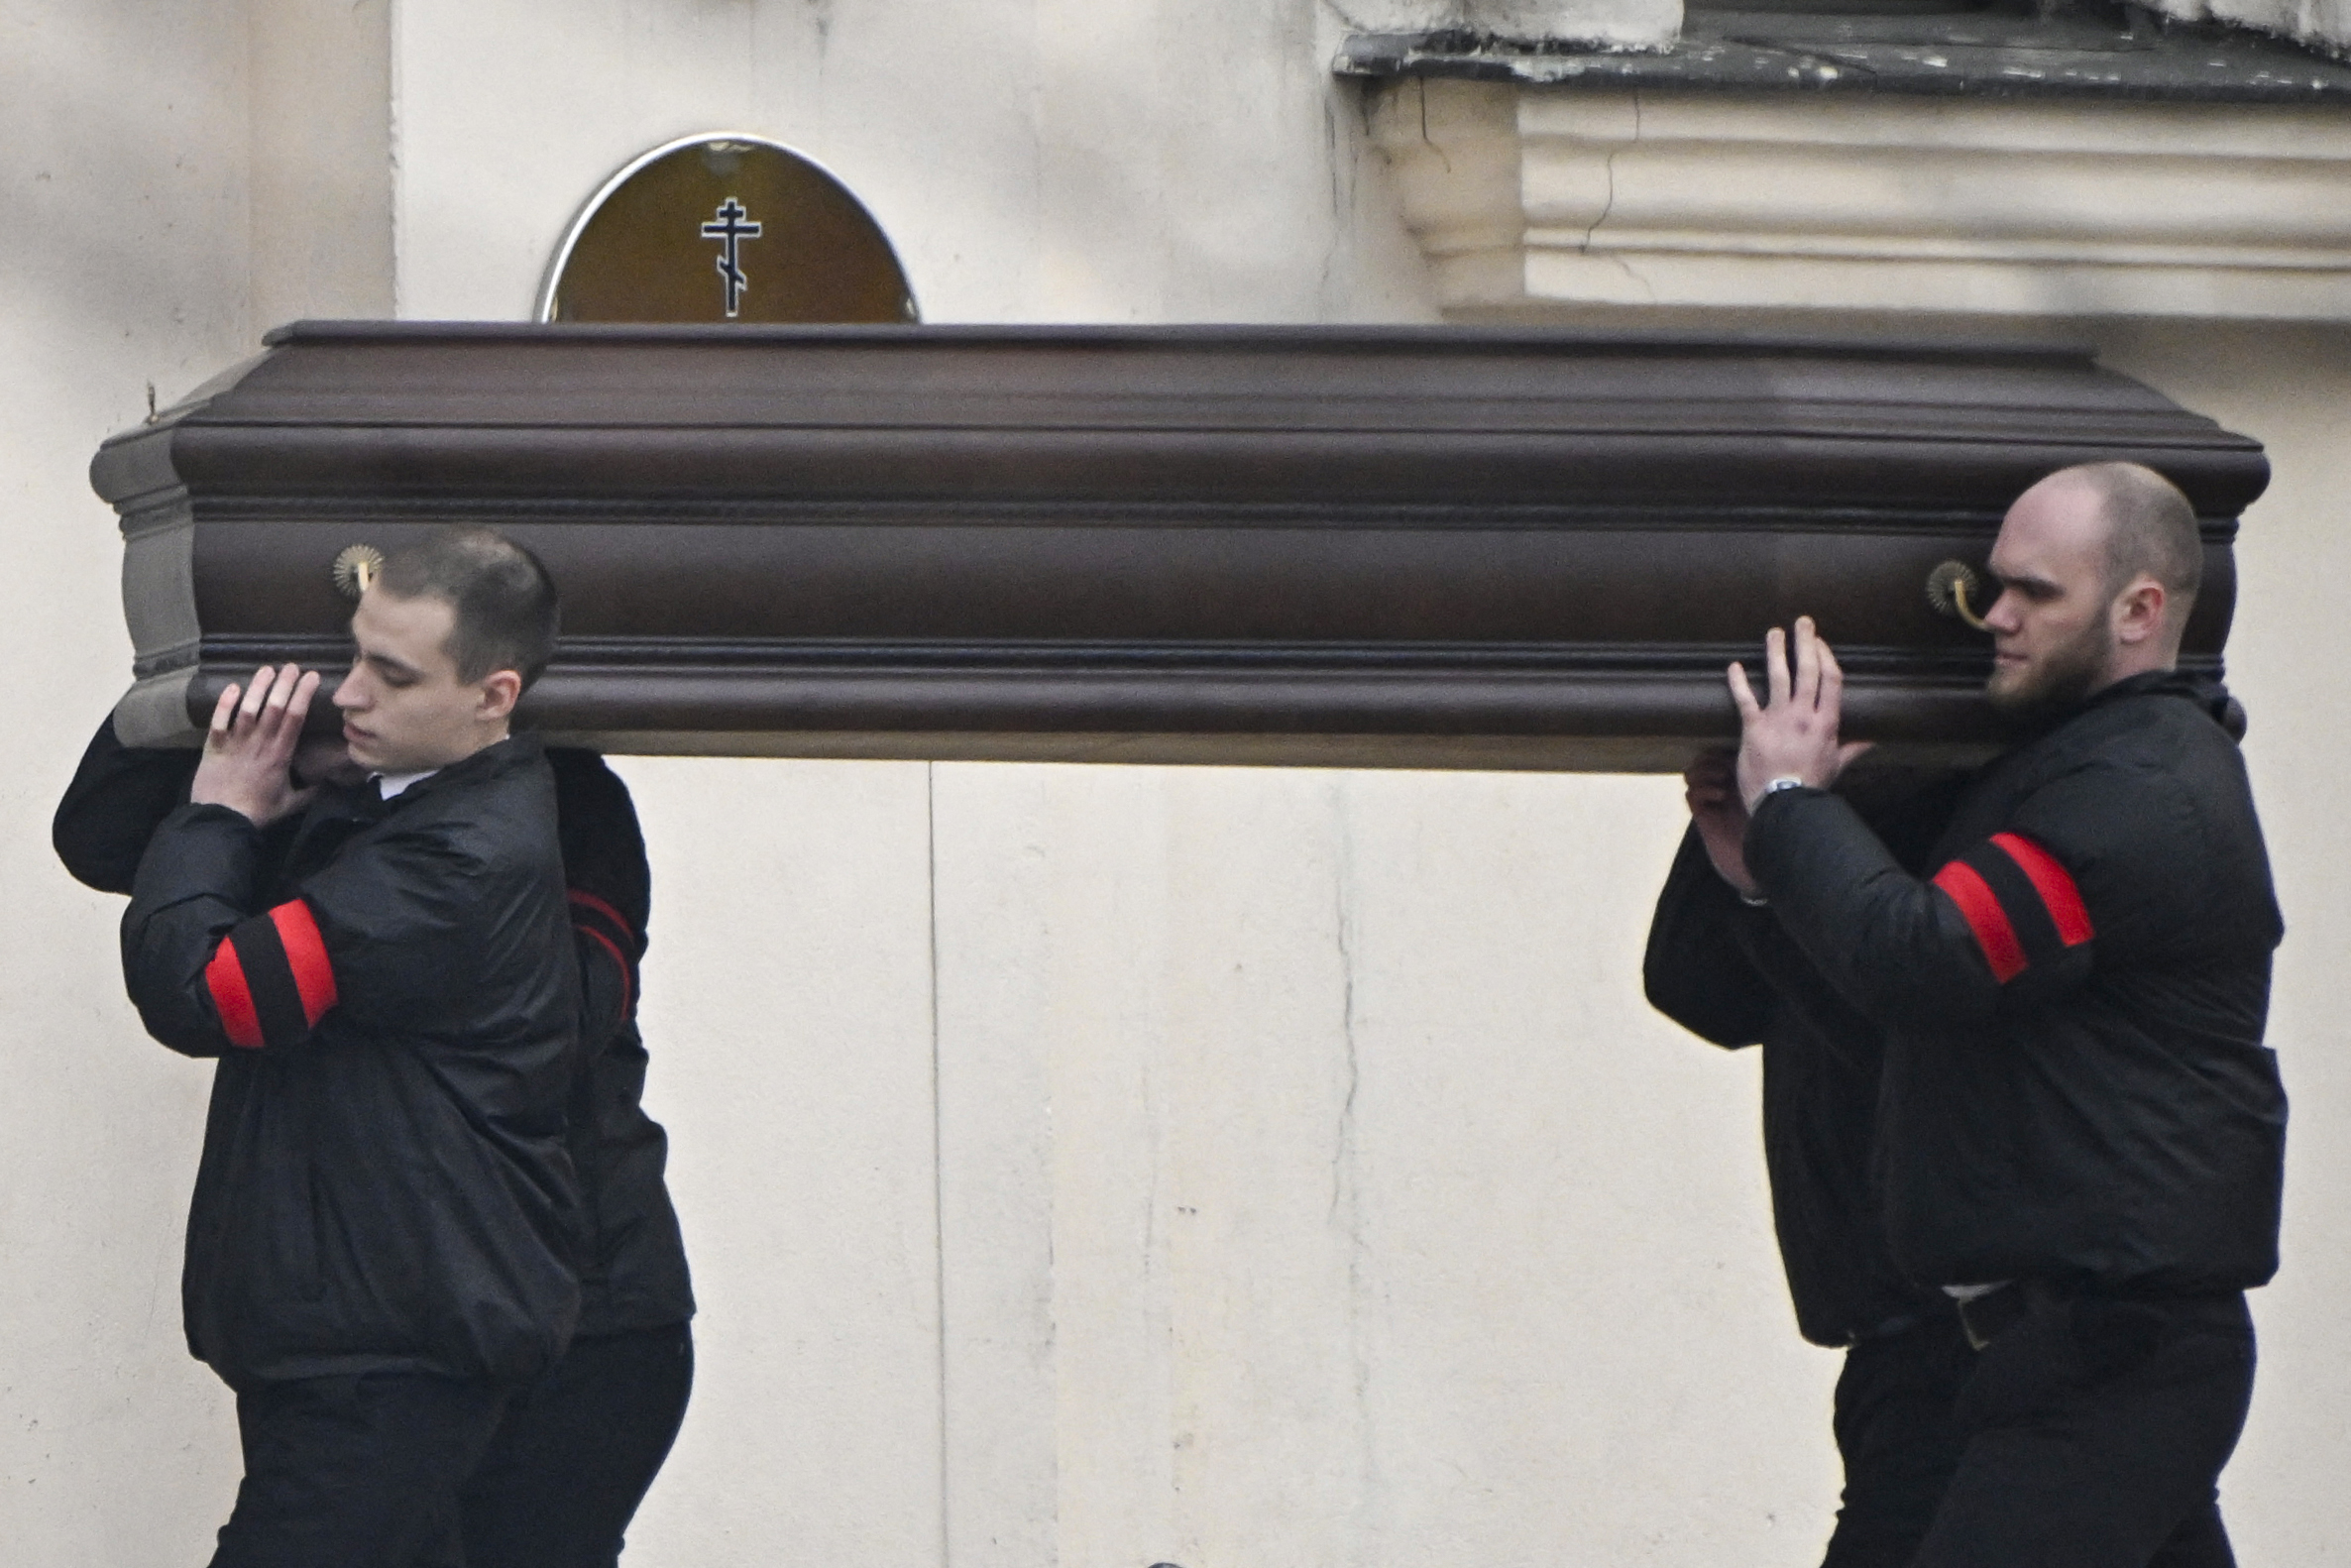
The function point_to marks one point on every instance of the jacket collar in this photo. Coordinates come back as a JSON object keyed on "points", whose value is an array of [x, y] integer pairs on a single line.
{"points": [[515, 751], [364, 803], [2210, 696]]}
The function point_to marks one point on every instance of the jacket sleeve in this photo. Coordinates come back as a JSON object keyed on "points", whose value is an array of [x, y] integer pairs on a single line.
{"points": [[196, 885], [211, 969], [608, 953], [610, 885], [1696, 970], [118, 798], [2105, 862]]}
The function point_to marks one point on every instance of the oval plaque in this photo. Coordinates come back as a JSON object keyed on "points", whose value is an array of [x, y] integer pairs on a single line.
{"points": [[724, 228]]}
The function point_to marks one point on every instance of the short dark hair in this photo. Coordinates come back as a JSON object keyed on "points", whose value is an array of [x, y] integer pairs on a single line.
{"points": [[2151, 528], [507, 613]]}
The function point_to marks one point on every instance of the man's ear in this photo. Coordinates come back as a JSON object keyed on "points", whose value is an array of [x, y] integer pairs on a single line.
{"points": [[2138, 611], [500, 690]]}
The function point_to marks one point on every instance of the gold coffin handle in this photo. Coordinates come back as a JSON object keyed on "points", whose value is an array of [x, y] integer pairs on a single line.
{"points": [[356, 566], [1948, 588]]}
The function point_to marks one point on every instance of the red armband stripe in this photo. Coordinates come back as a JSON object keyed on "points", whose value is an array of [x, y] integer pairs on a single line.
{"points": [[305, 957], [628, 991], [1981, 910], [2054, 883], [591, 901], [232, 998]]}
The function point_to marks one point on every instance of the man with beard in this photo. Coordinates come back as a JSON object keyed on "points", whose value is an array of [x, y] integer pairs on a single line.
{"points": [[2081, 1135]]}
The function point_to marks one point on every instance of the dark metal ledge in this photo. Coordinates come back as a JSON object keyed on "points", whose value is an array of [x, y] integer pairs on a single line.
{"points": [[1983, 56]]}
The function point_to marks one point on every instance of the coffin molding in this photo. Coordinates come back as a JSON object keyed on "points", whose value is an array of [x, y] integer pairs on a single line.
{"points": [[1527, 196], [1328, 547]]}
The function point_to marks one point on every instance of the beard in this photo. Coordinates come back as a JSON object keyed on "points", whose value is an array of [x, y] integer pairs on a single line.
{"points": [[2059, 681]]}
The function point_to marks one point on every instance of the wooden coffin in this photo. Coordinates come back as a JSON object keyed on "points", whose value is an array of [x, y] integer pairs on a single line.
{"points": [[1347, 545]]}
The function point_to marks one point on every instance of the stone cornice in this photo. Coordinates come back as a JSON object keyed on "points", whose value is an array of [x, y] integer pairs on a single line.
{"points": [[1525, 196], [1992, 57]]}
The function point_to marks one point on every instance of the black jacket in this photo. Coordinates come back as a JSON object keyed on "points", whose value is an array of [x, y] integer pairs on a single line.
{"points": [[394, 1006], [633, 1273], [2076, 1085], [1727, 972]]}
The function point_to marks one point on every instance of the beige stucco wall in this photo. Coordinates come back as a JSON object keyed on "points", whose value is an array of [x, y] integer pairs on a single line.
{"points": [[123, 248], [1092, 1165]]}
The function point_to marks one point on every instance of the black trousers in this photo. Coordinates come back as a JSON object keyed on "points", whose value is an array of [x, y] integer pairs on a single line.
{"points": [[576, 1452], [1899, 1438], [355, 1472], [2097, 1431], [404, 1470]]}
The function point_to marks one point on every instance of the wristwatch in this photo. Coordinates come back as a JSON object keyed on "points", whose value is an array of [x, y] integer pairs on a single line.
{"points": [[1784, 781]]}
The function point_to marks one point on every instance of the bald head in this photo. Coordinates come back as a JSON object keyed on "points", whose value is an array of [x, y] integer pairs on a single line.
{"points": [[2151, 529], [2098, 566]]}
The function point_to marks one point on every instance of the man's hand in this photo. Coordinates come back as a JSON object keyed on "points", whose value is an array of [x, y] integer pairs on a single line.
{"points": [[1712, 791], [1795, 735], [249, 753]]}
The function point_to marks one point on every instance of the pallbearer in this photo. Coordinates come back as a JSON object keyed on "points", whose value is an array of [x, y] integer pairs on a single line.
{"points": [[2081, 1133], [386, 1225], [580, 1447], [1719, 964]]}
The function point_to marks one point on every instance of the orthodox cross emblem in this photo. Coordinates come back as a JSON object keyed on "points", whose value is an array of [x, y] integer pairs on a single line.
{"points": [[730, 230]]}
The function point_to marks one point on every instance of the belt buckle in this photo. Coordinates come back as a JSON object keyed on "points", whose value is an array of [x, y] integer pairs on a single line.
{"points": [[1987, 1317]]}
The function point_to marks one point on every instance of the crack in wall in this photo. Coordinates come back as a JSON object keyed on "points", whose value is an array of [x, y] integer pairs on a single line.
{"points": [[1347, 1209], [1340, 151], [1342, 1195], [1607, 202], [1421, 87], [938, 1149], [1347, 19]]}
